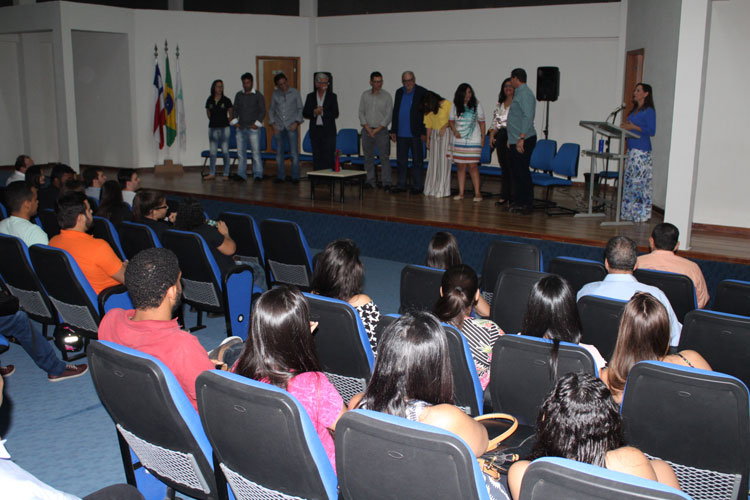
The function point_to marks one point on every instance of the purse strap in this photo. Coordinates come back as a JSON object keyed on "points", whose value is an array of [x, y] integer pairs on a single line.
{"points": [[505, 435]]}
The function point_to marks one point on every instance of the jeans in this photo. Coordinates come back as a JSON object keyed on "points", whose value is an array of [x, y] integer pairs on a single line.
{"points": [[36, 346], [216, 136], [382, 143], [403, 145], [247, 136], [291, 136]]}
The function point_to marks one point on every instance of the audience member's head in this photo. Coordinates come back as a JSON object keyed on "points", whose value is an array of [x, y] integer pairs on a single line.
{"points": [[620, 255], [21, 199], [23, 162], [73, 211], [72, 185], [34, 176], [149, 204], [94, 177], [189, 214], [339, 273], [280, 344], [111, 198], [579, 421], [442, 252], [153, 276], [644, 335], [128, 179], [60, 174], [413, 363], [665, 236], [459, 292]]}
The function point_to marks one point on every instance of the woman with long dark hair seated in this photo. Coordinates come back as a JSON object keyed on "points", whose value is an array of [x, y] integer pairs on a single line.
{"points": [[412, 379], [580, 421], [279, 350], [150, 208], [190, 217], [644, 336], [459, 293], [443, 253], [111, 205], [552, 313], [339, 274]]}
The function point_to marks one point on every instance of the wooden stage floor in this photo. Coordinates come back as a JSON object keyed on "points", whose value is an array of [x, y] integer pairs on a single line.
{"points": [[445, 212]]}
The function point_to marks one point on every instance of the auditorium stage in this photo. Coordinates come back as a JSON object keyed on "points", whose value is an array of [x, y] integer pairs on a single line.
{"points": [[708, 243]]}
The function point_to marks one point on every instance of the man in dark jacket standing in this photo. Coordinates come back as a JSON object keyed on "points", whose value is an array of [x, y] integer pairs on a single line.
{"points": [[408, 132], [322, 109]]}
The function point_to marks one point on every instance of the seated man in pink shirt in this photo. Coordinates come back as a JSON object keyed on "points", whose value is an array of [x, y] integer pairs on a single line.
{"points": [[664, 242], [153, 282]]}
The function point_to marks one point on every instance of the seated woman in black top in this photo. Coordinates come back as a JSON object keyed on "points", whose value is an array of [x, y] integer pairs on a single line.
{"points": [[150, 208], [111, 205], [190, 217]]}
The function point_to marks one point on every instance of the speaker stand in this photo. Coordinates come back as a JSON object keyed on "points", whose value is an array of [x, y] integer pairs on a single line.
{"points": [[546, 119]]}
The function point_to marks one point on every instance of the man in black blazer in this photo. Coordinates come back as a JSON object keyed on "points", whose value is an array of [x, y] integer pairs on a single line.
{"points": [[408, 132], [322, 109]]}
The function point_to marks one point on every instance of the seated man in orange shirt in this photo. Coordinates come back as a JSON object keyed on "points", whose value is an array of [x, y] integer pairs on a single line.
{"points": [[94, 256], [664, 242]]}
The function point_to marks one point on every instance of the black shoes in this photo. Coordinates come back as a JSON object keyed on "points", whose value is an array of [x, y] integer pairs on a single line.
{"points": [[258, 179], [520, 209], [415, 191], [396, 190], [237, 178]]}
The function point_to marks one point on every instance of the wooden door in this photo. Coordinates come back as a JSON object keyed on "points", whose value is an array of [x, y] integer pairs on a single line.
{"points": [[633, 75], [267, 67]]}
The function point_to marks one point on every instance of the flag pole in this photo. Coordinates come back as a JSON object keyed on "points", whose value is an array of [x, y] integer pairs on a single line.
{"points": [[156, 62], [168, 167]]}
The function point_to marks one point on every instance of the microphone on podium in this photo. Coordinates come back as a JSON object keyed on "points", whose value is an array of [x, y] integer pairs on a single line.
{"points": [[619, 108]]}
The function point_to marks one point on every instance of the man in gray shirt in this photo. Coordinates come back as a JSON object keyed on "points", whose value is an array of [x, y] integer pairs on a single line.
{"points": [[285, 115], [375, 113], [248, 111]]}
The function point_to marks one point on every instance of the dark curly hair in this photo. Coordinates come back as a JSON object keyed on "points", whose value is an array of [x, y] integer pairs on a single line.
{"points": [[339, 273], [189, 214], [579, 421], [148, 276]]}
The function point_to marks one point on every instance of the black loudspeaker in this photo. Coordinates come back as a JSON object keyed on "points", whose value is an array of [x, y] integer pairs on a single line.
{"points": [[547, 83]]}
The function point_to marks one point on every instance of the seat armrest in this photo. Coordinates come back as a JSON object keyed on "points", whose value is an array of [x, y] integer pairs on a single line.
{"points": [[114, 297]]}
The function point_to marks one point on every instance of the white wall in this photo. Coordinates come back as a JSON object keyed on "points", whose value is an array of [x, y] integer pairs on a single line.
{"points": [[11, 127], [481, 47], [654, 27], [102, 94], [724, 170]]}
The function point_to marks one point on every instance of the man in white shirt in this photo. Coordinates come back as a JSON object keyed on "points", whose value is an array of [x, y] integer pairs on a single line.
{"points": [[23, 204], [129, 182], [23, 162], [620, 259], [94, 178]]}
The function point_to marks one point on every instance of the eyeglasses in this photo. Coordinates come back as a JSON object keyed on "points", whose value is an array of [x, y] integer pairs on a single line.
{"points": [[161, 207], [404, 80]]}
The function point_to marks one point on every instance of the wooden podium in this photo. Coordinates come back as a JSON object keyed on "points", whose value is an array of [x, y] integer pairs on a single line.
{"points": [[610, 131], [168, 168]]}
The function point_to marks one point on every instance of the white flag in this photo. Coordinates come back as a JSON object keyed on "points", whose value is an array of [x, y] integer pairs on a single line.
{"points": [[181, 129]]}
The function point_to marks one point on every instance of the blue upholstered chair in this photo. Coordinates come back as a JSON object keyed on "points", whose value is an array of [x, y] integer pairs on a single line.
{"points": [[105, 230], [678, 288], [135, 237], [420, 288], [543, 154], [600, 320], [288, 258], [577, 272], [504, 254], [733, 297], [563, 169]]}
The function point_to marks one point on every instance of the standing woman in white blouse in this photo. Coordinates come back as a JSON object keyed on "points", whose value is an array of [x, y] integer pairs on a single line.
{"points": [[467, 123], [499, 141]]}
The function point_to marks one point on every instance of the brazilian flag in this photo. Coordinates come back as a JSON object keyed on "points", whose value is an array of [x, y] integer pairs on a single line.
{"points": [[169, 108]]}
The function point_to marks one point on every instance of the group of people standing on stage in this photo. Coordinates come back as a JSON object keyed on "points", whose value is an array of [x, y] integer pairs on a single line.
{"points": [[421, 121]]}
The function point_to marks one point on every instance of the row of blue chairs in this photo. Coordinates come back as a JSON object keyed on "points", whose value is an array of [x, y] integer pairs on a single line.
{"points": [[381, 456]]}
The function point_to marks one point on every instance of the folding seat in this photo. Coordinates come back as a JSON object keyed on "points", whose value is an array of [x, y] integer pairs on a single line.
{"points": [[245, 233], [600, 320], [733, 297], [21, 280], [47, 220], [696, 420], [420, 288], [154, 419], [206, 289], [341, 343], [678, 288], [554, 477], [722, 339], [306, 154], [563, 169], [543, 154], [347, 143], [264, 443], [512, 291], [105, 230], [577, 272], [503, 255], [77, 305], [135, 237], [288, 258], [382, 456]]}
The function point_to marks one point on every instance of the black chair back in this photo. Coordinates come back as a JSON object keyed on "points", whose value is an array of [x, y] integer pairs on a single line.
{"points": [[577, 272], [722, 339], [600, 319], [49, 222], [502, 255], [695, 419], [420, 288], [245, 233], [678, 288], [733, 297], [105, 230], [512, 291], [135, 237], [288, 257]]}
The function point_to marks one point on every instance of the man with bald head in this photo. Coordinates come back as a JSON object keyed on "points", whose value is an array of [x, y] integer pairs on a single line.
{"points": [[408, 132]]}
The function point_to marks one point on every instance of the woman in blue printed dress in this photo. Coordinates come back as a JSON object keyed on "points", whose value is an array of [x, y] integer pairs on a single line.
{"points": [[637, 186]]}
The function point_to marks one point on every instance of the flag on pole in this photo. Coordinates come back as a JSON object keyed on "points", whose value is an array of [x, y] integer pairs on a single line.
{"points": [[181, 130], [158, 108], [169, 107]]}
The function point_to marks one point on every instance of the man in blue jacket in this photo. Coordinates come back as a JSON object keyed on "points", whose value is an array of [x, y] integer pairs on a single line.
{"points": [[408, 132]]}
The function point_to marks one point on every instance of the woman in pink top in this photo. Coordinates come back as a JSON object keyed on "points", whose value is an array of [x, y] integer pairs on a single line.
{"points": [[279, 350]]}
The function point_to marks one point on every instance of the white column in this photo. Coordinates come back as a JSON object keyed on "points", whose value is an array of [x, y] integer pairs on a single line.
{"points": [[690, 78], [65, 93]]}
